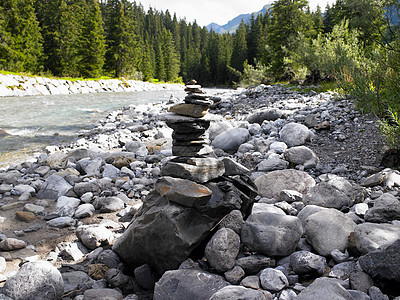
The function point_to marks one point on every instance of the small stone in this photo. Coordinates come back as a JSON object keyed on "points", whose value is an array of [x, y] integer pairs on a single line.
{"points": [[273, 280], [36, 209], [109, 294], [10, 244], [84, 211], [255, 263], [237, 292], [25, 216], [305, 262], [235, 275], [97, 271], [191, 110], [61, 222]]}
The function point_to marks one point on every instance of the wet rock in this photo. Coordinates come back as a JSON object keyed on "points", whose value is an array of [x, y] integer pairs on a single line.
{"points": [[371, 236], [273, 280], [232, 292], [294, 134], [188, 284], [270, 185], [271, 234], [222, 249], [53, 188], [231, 140], [93, 236], [328, 230], [325, 288], [35, 280]]}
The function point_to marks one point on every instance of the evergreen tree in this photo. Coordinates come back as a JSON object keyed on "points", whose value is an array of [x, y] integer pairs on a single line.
{"points": [[5, 42], [170, 57], [22, 30], [92, 41], [239, 55], [255, 39]]}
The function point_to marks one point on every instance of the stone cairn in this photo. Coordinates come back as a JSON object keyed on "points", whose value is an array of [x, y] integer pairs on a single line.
{"points": [[195, 193]]}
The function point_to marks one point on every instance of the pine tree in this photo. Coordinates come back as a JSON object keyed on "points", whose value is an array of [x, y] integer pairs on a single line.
{"points": [[170, 56], [92, 41], [23, 31], [239, 55]]}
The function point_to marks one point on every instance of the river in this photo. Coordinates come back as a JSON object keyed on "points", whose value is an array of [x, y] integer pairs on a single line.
{"points": [[35, 122]]}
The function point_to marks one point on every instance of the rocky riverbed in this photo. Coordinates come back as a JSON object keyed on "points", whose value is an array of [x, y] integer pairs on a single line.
{"points": [[296, 207]]}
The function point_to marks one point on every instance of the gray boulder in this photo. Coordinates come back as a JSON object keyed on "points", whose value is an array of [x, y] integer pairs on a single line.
{"points": [[327, 195], [301, 155], [272, 164], [66, 206], [188, 284], [234, 292], [217, 128], [61, 222], [231, 139], [234, 168], [328, 230], [93, 236], [253, 264], [92, 186], [53, 188], [308, 211], [294, 134], [84, 211], [222, 249], [383, 265], [35, 281], [386, 208], [371, 236], [273, 280], [272, 234], [76, 280], [305, 262], [90, 167], [271, 114], [20, 189], [110, 171], [108, 204], [109, 294], [270, 185], [325, 289]]}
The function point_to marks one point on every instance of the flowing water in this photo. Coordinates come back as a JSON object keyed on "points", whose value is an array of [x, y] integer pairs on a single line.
{"points": [[35, 122]]}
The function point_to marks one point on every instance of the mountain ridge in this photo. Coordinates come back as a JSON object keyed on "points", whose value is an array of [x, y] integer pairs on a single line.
{"points": [[233, 24]]}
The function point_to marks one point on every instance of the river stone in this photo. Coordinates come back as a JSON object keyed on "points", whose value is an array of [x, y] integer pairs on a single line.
{"points": [[84, 211], [10, 244], [103, 293], [188, 109], [371, 236], [200, 170], [90, 167], [270, 185], [326, 195], [301, 155], [25, 216], [108, 204], [216, 128], [181, 191], [61, 222], [110, 171], [260, 207], [234, 221], [235, 275], [270, 114], [76, 280], [386, 208], [92, 186], [271, 234], [20, 189], [305, 262], [222, 249], [36, 209], [234, 292], [188, 284], [294, 134], [253, 264], [56, 161], [383, 266], [272, 164], [231, 139], [53, 188], [273, 280], [93, 236], [234, 168], [66, 206], [34, 281], [328, 230], [79, 153], [5, 188], [325, 288], [308, 211]]}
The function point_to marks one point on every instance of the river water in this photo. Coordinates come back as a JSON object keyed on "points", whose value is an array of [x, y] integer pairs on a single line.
{"points": [[35, 122]]}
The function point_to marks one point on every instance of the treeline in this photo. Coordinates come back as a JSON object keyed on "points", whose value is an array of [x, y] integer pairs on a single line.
{"points": [[90, 38]]}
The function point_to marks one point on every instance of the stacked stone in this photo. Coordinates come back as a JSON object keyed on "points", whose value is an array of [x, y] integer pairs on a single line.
{"points": [[194, 158]]}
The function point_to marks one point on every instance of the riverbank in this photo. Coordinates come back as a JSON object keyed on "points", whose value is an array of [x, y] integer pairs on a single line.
{"points": [[310, 164], [18, 86]]}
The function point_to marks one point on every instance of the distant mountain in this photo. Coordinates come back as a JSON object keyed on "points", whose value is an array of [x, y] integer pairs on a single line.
{"points": [[233, 24]]}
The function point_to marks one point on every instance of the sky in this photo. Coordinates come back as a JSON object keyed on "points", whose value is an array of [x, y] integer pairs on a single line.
{"points": [[218, 11]]}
